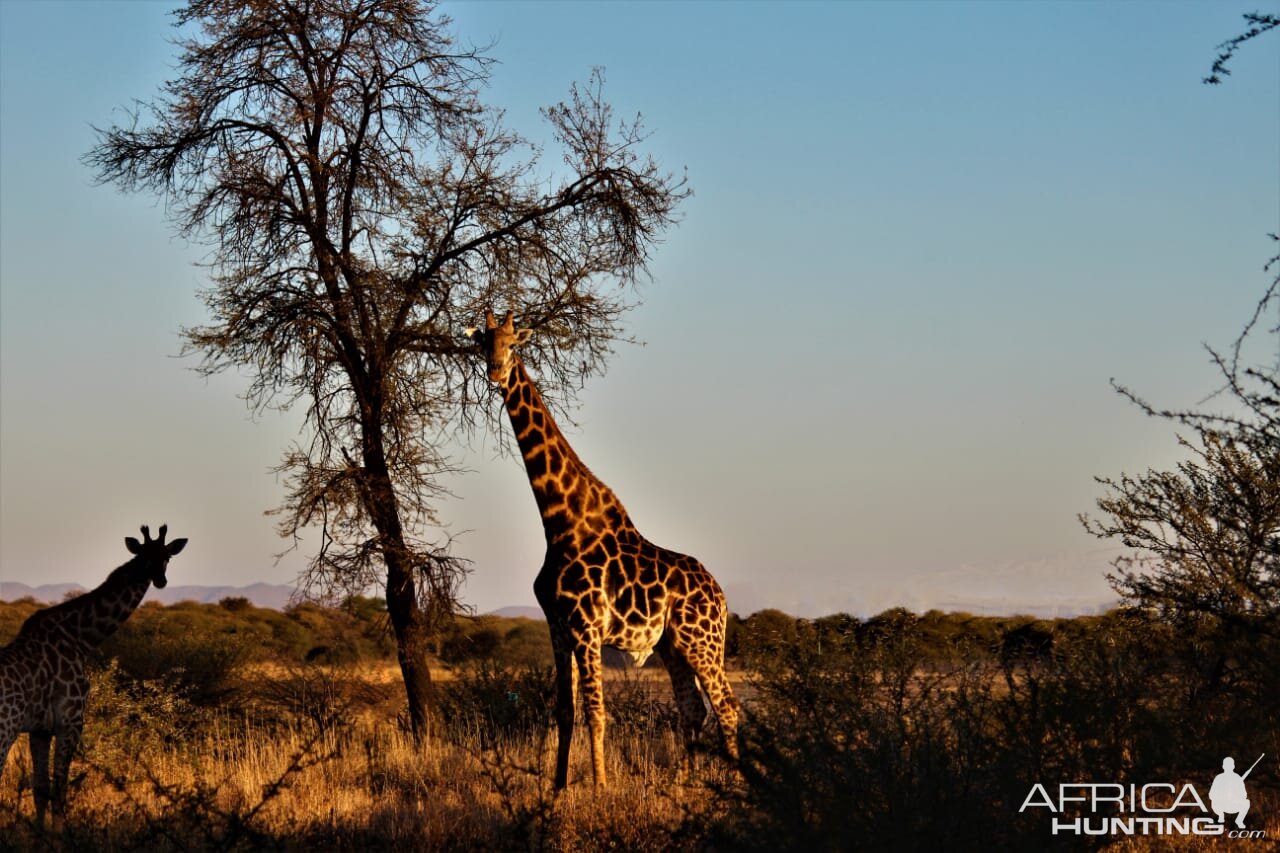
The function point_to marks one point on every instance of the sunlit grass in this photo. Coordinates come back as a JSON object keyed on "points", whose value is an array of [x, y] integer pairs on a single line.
{"points": [[363, 783]]}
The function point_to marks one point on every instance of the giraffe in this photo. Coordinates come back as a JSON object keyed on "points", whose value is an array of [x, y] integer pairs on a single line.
{"points": [[601, 582], [42, 681]]}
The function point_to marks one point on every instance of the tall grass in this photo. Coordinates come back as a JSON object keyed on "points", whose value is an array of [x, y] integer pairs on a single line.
{"points": [[159, 773], [856, 736]]}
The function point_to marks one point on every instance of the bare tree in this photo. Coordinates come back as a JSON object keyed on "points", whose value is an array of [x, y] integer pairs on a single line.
{"points": [[362, 206]]}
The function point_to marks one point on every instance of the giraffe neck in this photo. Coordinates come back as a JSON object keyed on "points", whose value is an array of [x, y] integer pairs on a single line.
{"points": [[92, 617], [567, 493]]}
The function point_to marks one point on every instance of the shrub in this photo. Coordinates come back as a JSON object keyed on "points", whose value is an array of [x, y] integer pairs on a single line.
{"points": [[497, 702]]}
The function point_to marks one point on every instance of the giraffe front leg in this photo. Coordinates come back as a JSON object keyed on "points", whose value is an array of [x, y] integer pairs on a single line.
{"points": [[591, 679], [39, 743], [68, 741], [566, 700]]}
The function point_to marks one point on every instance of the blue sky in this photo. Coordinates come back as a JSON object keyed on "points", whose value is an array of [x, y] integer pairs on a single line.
{"points": [[877, 347]]}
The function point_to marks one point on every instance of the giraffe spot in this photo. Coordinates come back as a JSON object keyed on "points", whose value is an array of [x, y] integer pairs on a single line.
{"points": [[536, 463], [596, 556], [615, 580], [574, 578], [625, 601]]}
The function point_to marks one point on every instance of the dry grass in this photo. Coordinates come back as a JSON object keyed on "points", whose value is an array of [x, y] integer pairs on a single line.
{"points": [[362, 785], [258, 781]]}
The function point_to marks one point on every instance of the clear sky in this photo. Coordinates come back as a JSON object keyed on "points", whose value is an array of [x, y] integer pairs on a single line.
{"points": [[877, 347]]}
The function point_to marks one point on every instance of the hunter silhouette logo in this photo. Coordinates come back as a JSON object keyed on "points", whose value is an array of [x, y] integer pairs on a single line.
{"points": [[1153, 808], [1228, 795]]}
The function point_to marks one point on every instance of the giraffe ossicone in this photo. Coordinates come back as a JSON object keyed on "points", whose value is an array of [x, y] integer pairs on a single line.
{"points": [[602, 582], [43, 686]]}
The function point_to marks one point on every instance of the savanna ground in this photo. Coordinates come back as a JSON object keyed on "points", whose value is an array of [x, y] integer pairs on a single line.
{"points": [[232, 727]]}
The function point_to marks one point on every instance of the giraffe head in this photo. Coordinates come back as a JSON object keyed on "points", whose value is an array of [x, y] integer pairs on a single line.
{"points": [[499, 342], [154, 553]]}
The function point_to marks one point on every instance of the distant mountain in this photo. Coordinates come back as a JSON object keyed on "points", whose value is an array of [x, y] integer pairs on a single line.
{"points": [[275, 596], [519, 612], [1068, 585], [1050, 587], [50, 592]]}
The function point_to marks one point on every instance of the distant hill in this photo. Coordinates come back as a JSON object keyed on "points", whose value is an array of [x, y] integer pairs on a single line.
{"points": [[50, 592], [274, 596], [520, 612]]}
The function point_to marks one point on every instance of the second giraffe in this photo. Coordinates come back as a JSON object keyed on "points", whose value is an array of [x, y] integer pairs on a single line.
{"points": [[601, 582]]}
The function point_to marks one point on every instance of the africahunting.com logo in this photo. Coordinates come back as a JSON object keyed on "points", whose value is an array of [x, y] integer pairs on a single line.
{"points": [[1154, 808]]}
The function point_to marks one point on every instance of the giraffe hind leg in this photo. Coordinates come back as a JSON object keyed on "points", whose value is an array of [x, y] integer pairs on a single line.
{"points": [[726, 708], [39, 743], [707, 662], [684, 684]]}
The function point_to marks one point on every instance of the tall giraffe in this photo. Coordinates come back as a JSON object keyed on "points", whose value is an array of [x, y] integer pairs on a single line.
{"points": [[43, 687], [601, 582]]}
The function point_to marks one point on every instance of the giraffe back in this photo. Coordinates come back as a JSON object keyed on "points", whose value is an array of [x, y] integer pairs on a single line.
{"points": [[630, 591]]}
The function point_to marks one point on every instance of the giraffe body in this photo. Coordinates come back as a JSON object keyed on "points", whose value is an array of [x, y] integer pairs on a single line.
{"points": [[603, 583], [43, 686]]}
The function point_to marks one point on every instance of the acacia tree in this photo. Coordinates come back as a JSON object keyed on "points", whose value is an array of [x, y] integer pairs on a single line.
{"points": [[1205, 538], [362, 206]]}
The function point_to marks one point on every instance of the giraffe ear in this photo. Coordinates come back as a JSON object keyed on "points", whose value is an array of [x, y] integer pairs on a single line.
{"points": [[134, 546], [471, 332], [176, 546], [523, 336]]}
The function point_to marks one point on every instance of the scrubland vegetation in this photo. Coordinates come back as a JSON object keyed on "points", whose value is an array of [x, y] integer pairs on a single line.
{"points": [[232, 727]]}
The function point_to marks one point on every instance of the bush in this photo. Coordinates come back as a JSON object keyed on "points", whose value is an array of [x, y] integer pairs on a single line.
{"points": [[192, 656], [497, 702], [127, 718], [890, 745]]}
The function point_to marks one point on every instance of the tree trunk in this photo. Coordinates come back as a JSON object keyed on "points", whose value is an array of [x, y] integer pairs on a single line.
{"points": [[412, 642], [412, 632]]}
